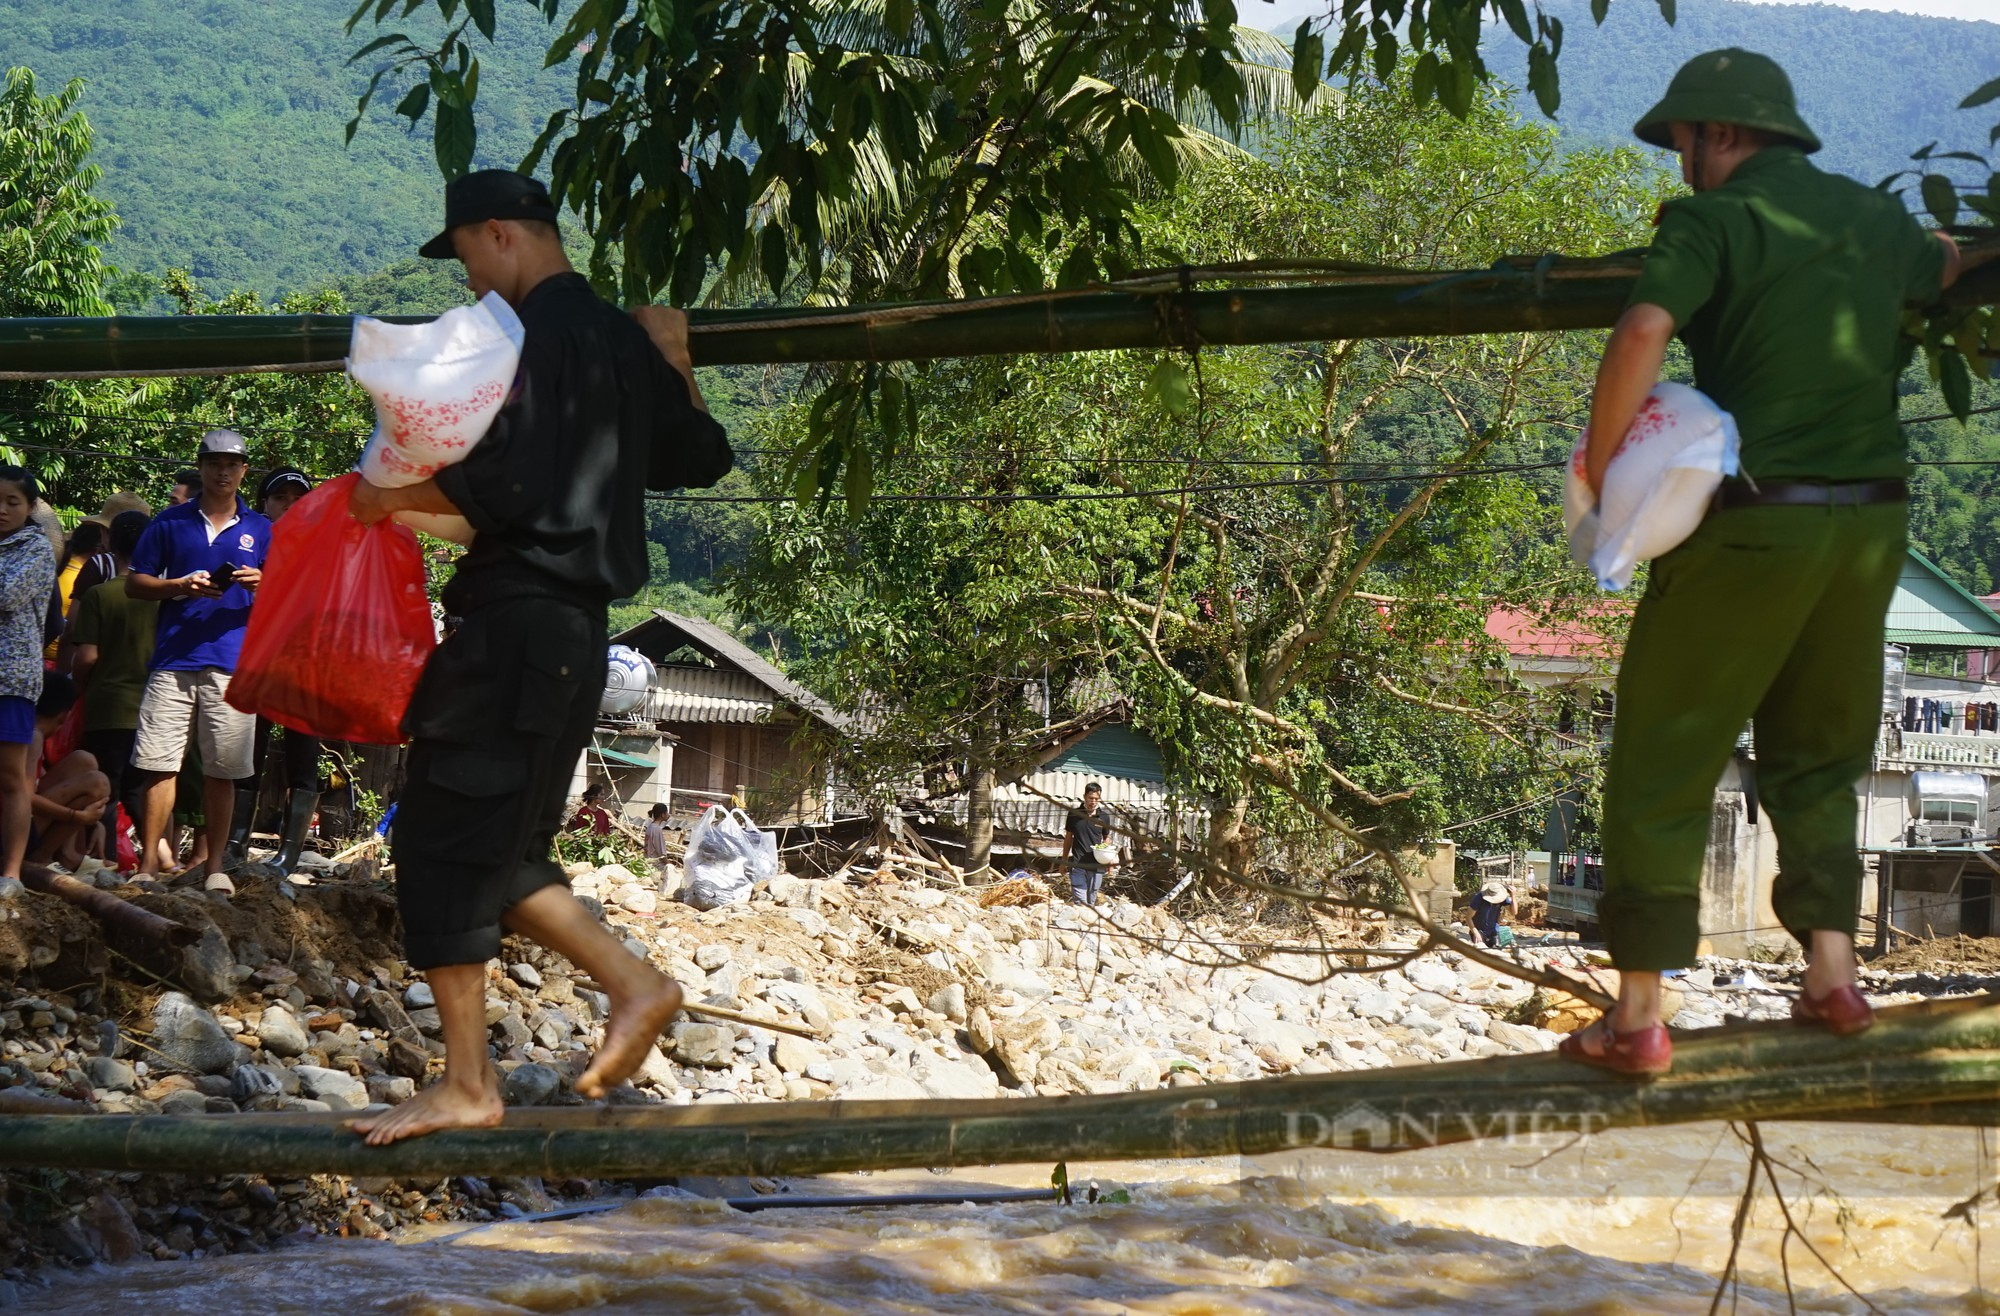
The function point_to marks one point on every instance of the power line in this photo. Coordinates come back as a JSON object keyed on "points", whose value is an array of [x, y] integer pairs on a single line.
{"points": [[1109, 495], [1362, 472]]}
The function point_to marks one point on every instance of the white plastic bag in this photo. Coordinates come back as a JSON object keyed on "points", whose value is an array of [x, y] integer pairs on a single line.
{"points": [[436, 388], [726, 856], [1657, 487]]}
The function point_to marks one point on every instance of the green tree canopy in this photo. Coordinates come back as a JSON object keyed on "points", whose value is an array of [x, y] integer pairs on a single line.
{"points": [[53, 226], [1284, 555]]}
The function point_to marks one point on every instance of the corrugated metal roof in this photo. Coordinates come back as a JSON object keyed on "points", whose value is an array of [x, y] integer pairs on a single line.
{"points": [[1941, 639], [1068, 787], [1931, 605], [709, 694], [1144, 805], [664, 632]]}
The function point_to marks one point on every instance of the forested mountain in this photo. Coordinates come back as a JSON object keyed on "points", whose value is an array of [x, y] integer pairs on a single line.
{"points": [[219, 128], [219, 122], [1875, 86]]}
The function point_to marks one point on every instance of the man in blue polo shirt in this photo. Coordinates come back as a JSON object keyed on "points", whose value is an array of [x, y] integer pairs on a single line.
{"points": [[202, 560]]}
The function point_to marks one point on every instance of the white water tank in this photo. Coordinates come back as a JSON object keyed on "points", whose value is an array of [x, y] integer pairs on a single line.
{"points": [[627, 678]]}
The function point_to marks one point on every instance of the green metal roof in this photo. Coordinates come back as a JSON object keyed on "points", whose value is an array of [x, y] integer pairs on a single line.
{"points": [[1942, 639], [1932, 610], [620, 756], [1113, 751]]}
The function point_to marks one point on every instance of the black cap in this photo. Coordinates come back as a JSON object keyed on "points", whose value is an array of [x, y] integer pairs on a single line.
{"points": [[488, 194], [282, 478]]}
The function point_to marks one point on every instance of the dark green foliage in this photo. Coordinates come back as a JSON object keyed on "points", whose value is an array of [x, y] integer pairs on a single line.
{"points": [[52, 222], [1952, 506], [219, 128]]}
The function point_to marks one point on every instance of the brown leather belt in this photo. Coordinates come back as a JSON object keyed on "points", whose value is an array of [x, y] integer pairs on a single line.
{"points": [[1798, 493]]}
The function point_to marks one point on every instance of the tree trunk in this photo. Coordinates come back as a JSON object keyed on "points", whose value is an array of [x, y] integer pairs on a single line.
{"points": [[1229, 845], [979, 821], [1915, 1057]]}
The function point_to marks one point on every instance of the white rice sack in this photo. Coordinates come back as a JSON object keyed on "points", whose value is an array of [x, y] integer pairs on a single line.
{"points": [[436, 387], [1657, 488]]}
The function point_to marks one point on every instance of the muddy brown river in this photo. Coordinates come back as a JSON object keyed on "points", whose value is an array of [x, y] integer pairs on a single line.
{"points": [[1625, 1222]]}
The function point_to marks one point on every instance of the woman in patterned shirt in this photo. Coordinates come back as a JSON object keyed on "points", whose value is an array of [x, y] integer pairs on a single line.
{"points": [[27, 578]]}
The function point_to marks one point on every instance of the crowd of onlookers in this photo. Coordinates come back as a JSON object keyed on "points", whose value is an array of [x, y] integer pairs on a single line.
{"points": [[118, 638]]}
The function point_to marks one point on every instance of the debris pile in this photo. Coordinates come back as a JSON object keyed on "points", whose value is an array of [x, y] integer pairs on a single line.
{"points": [[903, 988]]}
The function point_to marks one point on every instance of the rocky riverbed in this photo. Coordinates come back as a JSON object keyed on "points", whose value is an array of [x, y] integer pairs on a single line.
{"points": [[294, 1000]]}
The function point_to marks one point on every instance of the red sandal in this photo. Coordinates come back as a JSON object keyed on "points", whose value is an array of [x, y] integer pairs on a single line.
{"points": [[1643, 1052], [1844, 1011]]}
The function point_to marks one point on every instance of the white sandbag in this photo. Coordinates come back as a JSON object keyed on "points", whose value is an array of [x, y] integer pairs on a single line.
{"points": [[436, 387], [1657, 488], [726, 855]]}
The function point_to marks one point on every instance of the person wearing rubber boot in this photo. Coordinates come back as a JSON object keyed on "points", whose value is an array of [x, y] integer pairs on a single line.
{"points": [[604, 406], [275, 495], [1787, 286]]}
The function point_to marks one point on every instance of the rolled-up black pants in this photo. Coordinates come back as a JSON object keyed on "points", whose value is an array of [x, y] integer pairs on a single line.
{"points": [[504, 710]]}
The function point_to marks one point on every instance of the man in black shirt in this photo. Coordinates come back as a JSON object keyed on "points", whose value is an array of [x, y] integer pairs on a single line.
{"points": [[603, 407], [1087, 829]]}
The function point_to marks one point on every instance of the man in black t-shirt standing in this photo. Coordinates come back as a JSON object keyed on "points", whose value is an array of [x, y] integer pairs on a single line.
{"points": [[604, 406], [1087, 829]]}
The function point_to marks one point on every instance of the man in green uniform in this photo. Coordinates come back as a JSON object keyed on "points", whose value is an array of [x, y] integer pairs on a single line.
{"points": [[1787, 285]]}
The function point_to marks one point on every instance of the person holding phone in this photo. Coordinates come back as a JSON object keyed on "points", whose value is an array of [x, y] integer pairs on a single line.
{"points": [[202, 560]]}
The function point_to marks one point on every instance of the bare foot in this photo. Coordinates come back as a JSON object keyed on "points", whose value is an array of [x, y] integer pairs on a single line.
{"points": [[440, 1106], [635, 1024]]}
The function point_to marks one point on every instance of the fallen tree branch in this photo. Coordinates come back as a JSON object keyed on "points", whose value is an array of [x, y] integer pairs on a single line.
{"points": [[354, 852], [727, 1016]]}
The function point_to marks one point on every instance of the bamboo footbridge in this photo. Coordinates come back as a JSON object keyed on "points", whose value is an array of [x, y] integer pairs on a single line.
{"points": [[1317, 301], [1933, 1063]]}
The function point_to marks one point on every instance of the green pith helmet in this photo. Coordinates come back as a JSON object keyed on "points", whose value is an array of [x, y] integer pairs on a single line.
{"points": [[1728, 86]]}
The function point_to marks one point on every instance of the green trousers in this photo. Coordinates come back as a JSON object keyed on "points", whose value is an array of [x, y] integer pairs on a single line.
{"points": [[1768, 613]]}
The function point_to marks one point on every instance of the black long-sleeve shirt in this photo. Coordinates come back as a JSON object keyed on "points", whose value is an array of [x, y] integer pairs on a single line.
{"points": [[556, 488]]}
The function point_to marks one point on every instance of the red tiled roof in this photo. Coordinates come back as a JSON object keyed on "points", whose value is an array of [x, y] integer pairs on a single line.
{"points": [[1534, 635]]}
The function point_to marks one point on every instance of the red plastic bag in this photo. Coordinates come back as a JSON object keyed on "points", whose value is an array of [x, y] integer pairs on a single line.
{"points": [[128, 854], [341, 627], [67, 737]]}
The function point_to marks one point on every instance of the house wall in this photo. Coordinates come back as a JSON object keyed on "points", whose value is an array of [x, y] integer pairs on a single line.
{"points": [[1737, 873], [1929, 895], [636, 789], [716, 760]]}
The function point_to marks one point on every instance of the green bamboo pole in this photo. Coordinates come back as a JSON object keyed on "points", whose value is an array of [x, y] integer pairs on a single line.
{"points": [[163, 345], [1928, 1053], [1517, 296]]}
